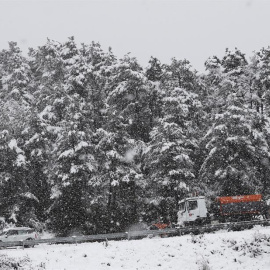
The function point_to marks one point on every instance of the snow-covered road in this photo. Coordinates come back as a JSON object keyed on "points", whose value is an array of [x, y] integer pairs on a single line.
{"points": [[222, 250]]}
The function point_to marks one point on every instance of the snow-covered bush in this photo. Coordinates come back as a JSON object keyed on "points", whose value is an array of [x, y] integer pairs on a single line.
{"points": [[257, 246], [8, 263]]}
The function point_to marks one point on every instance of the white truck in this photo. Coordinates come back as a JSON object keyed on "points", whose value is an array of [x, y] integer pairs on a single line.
{"points": [[192, 211]]}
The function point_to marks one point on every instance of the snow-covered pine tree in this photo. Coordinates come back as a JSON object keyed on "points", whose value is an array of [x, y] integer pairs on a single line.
{"points": [[235, 149], [118, 180], [74, 164], [16, 104], [168, 161], [179, 74], [120, 138], [236, 143], [38, 147], [154, 70], [128, 97], [15, 75], [16, 202]]}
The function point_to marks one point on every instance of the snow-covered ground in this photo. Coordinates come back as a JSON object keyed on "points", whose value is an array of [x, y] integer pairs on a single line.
{"points": [[222, 250]]}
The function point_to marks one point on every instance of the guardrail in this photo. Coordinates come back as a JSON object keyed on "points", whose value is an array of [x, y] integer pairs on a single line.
{"points": [[137, 234], [88, 238]]}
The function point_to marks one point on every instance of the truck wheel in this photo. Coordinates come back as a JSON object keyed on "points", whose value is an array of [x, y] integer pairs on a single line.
{"points": [[28, 246]]}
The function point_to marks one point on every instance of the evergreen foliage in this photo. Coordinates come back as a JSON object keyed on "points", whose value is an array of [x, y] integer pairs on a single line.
{"points": [[92, 144]]}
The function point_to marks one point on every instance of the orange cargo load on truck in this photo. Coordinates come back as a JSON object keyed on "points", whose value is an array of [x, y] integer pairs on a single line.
{"points": [[240, 205], [239, 199]]}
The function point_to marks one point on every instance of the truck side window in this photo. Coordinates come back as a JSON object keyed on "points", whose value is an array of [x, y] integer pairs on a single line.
{"points": [[192, 205]]}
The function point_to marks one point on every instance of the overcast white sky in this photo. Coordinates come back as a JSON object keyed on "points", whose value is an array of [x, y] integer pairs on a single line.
{"points": [[188, 29]]}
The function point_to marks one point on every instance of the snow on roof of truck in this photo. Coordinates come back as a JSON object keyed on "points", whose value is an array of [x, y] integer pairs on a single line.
{"points": [[192, 199]]}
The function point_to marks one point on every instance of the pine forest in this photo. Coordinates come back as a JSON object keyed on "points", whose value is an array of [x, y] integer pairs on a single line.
{"points": [[93, 143]]}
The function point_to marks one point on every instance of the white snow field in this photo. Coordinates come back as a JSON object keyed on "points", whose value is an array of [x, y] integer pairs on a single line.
{"points": [[221, 250]]}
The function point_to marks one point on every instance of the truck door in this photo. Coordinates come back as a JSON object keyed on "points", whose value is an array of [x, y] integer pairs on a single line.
{"points": [[193, 211], [182, 213]]}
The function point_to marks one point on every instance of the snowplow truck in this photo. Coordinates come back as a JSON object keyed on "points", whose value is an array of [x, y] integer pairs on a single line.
{"points": [[193, 210]]}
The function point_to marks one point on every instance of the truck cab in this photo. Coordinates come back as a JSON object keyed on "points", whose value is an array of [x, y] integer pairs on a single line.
{"points": [[192, 211]]}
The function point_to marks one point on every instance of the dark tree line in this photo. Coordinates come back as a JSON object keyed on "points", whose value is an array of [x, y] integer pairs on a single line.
{"points": [[92, 143]]}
